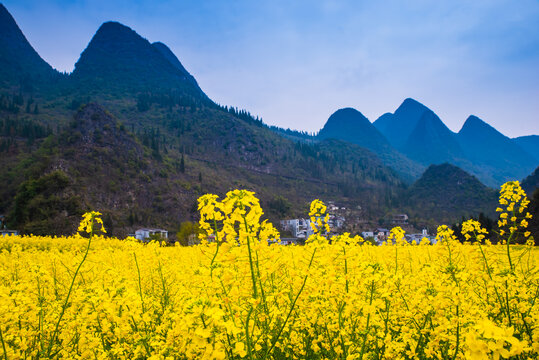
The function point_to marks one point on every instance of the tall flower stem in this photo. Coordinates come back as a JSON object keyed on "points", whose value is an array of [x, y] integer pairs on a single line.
{"points": [[66, 302], [253, 276]]}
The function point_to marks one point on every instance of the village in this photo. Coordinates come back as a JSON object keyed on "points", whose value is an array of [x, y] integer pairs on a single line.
{"points": [[297, 231], [342, 220]]}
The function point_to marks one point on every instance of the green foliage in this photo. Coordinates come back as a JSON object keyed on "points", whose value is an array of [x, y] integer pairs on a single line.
{"points": [[445, 193], [188, 231], [280, 206], [39, 200], [533, 226]]}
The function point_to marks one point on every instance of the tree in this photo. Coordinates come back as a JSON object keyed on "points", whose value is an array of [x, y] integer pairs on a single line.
{"points": [[279, 205], [188, 230]]}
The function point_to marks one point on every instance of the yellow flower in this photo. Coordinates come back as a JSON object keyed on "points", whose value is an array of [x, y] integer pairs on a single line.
{"points": [[88, 221], [239, 349]]}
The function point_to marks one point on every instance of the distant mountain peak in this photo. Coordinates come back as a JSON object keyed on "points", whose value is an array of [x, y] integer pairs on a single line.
{"points": [[119, 59], [351, 125], [473, 124], [112, 26], [474, 119], [18, 59], [348, 114], [397, 127], [115, 31], [411, 106]]}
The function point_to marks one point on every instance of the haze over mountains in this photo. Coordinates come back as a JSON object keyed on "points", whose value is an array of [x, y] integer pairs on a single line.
{"points": [[131, 133], [418, 134]]}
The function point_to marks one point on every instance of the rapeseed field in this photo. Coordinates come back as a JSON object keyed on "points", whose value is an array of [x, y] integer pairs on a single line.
{"points": [[240, 295]]}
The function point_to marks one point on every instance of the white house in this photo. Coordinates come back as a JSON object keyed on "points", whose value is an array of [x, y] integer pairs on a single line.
{"points": [[367, 234], [300, 228], [145, 234]]}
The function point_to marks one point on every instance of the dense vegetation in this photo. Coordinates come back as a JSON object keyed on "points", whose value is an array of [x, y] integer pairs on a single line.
{"points": [[241, 295]]}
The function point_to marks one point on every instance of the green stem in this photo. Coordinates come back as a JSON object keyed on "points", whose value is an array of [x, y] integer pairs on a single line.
{"points": [[64, 307], [3, 345], [458, 336], [253, 276], [249, 351], [367, 328], [139, 283], [508, 252], [290, 312], [507, 301], [489, 272]]}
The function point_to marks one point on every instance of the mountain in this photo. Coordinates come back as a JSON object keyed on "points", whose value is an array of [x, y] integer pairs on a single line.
{"points": [[531, 183], [431, 142], [531, 186], [96, 163], [445, 193], [19, 62], [478, 148], [93, 164], [398, 127], [169, 55], [492, 152], [117, 59], [350, 125], [419, 134], [130, 133], [530, 144]]}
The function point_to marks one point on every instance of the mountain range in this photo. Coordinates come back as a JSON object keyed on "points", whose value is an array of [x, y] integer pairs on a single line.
{"points": [[130, 132]]}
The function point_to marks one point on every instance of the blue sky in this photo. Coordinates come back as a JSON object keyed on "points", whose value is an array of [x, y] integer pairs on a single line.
{"points": [[295, 62]]}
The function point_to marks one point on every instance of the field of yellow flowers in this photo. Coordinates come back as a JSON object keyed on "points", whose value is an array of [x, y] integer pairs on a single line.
{"points": [[239, 296]]}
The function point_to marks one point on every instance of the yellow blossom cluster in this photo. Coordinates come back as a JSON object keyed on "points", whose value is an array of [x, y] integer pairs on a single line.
{"points": [[473, 228], [513, 215], [319, 217], [240, 295]]}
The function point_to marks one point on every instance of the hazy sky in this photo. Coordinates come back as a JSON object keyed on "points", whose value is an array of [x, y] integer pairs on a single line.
{"points": [[295, 62]]}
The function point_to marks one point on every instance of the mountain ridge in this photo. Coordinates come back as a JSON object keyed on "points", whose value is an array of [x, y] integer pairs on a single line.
{"points": [[350, 125], [397, 126], [119, 59], [19, 62], [445, 193], [182, 144]]}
